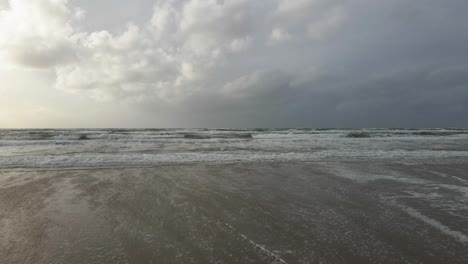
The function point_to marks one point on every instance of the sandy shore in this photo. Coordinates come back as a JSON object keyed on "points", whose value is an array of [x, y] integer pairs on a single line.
{"points": [[265, 213]]}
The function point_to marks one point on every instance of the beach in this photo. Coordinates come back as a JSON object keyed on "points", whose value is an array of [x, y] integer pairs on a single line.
{"points": [[307, 212], [291, 195]]}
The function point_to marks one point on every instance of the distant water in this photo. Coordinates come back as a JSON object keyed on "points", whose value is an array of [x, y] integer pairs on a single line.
{"points": [[76, 148]]}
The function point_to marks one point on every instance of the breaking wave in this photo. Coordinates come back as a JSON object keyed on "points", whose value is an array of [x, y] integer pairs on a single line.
{"points": [[405, 133], [220, 135], [358, 135]]}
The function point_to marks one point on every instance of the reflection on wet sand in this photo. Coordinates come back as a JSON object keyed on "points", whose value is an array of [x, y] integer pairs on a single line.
{"points": [[266, 213]]}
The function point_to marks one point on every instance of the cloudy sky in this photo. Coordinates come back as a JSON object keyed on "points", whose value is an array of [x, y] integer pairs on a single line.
{"points": [[233, 63]]}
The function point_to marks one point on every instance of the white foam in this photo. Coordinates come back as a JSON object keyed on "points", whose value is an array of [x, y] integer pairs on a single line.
{"points": [[278, 259], [65, 159], [447, 175], [461, 189], [341, 170], [459, 236]]}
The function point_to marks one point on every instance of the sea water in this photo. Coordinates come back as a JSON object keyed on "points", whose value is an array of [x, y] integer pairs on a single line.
{"points": [[70, 148]]}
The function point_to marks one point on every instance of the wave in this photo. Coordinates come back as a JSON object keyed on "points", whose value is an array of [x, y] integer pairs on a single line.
{"points": [[358, 135], [219, 135], [99, 160], [193, 134], [406, 132], [83, 137], [438, 133]]}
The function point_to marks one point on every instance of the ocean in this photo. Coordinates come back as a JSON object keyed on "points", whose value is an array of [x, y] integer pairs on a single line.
{"points": [[56, 148]]}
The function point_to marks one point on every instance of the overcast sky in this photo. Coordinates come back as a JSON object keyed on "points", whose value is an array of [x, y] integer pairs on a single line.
{"points": [[233, 63]]}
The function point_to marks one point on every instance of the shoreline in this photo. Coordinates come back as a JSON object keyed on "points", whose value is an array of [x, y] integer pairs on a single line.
{"points": [[214, 164]]}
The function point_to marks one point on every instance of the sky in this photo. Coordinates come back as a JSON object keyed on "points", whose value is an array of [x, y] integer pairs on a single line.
{"points": [[233, 63]]}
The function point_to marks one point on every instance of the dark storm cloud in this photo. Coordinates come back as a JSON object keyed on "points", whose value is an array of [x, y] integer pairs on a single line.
{"points": [[423, 97]]}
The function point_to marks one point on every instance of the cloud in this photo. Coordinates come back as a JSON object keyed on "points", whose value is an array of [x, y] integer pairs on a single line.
{"points": [[418, 97], [318, 28], [280, 62], [279, 35], [36, 33], [411, 97], [168, 58], [319, 17]]}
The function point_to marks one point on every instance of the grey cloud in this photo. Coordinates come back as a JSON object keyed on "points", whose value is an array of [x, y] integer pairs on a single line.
{"points": [[265, 63], [42, 55], [422, 97]]}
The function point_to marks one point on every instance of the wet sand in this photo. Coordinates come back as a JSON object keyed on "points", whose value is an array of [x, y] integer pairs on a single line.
{"points": [[258, 213]]}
